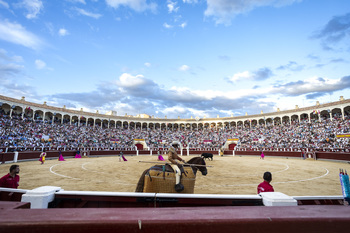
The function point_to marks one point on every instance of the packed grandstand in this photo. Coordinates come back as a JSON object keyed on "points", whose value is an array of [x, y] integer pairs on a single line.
{"points": [[30, 128], [26, 130]]}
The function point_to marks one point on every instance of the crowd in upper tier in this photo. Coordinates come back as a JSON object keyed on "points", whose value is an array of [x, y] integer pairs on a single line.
{"points": [[26, 134]]}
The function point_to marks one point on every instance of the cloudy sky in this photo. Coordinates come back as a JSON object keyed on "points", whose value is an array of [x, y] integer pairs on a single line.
{"points": [[175, 57]]}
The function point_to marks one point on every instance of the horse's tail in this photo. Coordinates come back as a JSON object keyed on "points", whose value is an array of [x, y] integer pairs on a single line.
{"points": [[140, 184]]}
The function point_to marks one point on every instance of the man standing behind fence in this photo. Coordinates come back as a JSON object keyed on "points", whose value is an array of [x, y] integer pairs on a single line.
{"points": [[11, 180]]}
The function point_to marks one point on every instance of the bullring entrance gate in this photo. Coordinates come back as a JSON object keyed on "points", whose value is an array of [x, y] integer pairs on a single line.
{"points": [[231, 143], [140, 144]]}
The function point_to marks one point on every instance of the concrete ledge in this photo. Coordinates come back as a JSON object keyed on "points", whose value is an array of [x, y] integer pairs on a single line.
{"points": [[39, 198], [277, 199]]}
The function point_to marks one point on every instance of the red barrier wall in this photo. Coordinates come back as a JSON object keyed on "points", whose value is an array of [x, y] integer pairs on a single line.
{"points": [[270, 153], [27, 155], [333, 156]]}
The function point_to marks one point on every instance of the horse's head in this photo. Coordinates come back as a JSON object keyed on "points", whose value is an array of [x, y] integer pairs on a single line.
{"points": [[202, 166]]}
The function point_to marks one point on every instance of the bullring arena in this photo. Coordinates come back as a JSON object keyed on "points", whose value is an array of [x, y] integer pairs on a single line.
{"points": [[228, 175], [304, 150]]}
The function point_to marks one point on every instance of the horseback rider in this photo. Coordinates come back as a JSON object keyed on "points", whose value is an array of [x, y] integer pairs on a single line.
{"points": [[173, 159]]}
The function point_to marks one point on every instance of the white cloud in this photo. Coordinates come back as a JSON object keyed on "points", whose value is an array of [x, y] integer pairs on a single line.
{"points": [[33, 7], [78, 1], [167, 25], [128, 80], [9, 69], [39, 64], [137, 5], [4, 4], [50, 28], [183, 25], [175, 110], [184, 68], [312, 85], [186, 92], [179, 101], [260, 74], [190, 1], [17, 34], [147, 64], [172, 6], [86, 13], [17, 58], [223, 11], [240, 76], [5, 57], [63, 32]]}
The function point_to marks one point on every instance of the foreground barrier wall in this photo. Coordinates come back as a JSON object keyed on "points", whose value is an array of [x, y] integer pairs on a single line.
{"points": [[247, 219], [194, 212]]}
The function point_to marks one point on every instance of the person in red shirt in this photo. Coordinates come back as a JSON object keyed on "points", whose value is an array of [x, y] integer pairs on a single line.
{"points": [[265, 186], [11, 180]]}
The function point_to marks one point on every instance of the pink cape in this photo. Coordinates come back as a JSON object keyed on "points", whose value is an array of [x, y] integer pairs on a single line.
{"points": [[61, 158], [160, 157]]}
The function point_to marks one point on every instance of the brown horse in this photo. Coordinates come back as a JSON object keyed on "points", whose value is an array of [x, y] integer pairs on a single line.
{"points": [[189, 170]]}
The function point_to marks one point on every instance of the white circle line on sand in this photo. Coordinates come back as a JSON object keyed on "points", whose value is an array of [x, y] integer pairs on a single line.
{"points": [[83, 166], [51, 170], [287, 167], [313, 178], [282, 182]]}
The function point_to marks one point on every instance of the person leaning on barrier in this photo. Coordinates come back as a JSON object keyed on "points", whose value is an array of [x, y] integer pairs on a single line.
{"points": [[11, 180], [265, 186], [174, 158]]}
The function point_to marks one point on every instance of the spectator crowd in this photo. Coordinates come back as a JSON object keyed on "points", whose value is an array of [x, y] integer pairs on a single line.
{"points": [[26, 134]]}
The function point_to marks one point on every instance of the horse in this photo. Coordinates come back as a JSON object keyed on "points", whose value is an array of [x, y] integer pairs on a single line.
{"points": [[161, 178], [207, 156]]}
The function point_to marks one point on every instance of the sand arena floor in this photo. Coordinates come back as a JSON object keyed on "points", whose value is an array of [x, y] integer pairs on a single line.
{"points": [[229, 175]]}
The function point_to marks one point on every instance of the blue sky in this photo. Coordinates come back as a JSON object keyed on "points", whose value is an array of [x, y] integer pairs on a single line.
{"points": [[175, 58]]}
